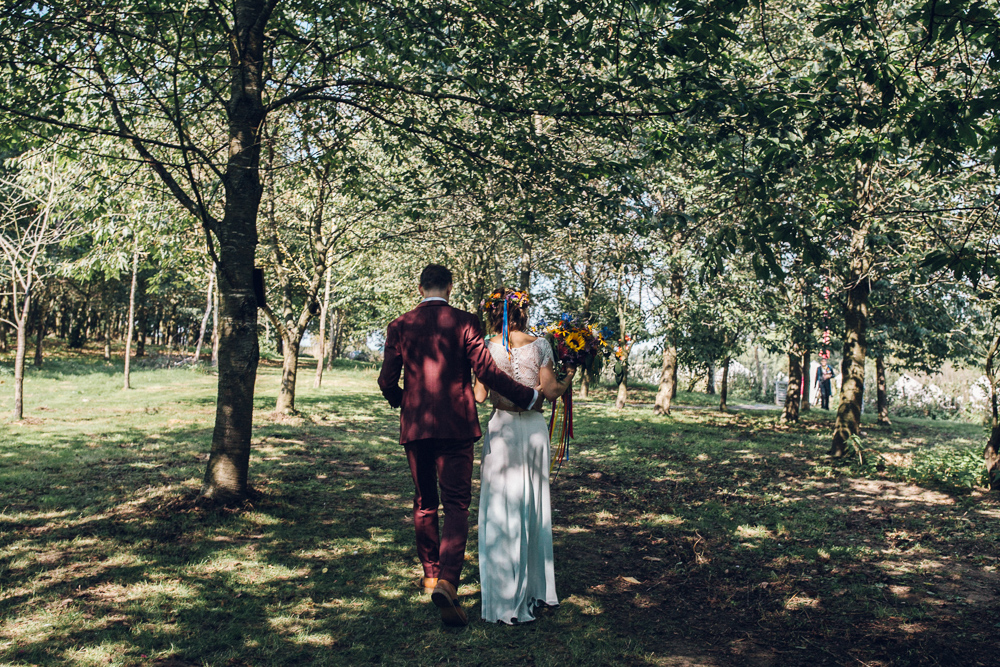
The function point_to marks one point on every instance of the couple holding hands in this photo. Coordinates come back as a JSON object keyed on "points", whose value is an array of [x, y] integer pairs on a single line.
{"points": [[437, 348]]}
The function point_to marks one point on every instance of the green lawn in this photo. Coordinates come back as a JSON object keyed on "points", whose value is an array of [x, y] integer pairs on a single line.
{"points": [[696, 539]]}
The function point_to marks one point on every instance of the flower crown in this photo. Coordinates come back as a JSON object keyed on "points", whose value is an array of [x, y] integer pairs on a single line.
{"points": [[512, 297]]}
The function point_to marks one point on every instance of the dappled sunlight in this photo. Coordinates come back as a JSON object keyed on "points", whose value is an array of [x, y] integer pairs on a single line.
{"points": [[660, 520], [570, 530], [668, 535], [754, 532], [989, 513], [798, 602], [898, 494], [588, 606]]}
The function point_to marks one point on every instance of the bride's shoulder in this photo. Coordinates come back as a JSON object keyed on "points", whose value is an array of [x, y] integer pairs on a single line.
{"points": [[522, 338]]}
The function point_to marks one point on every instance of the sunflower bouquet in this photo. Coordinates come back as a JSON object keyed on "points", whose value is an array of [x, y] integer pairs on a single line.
{"points": [[575, 342]]}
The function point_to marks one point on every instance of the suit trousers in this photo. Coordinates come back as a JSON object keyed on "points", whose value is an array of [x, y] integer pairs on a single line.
{"points": [[446, 463]]}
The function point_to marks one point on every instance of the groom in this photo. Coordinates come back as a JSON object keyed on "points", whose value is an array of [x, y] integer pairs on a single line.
{"points": [[436, 346]]}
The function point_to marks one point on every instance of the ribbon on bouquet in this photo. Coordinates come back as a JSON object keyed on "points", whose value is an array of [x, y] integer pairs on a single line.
{"points": [[505, 332], [565, 420]]}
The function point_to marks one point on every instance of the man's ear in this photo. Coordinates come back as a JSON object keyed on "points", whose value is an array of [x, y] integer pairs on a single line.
{"points": [[420, 288]]}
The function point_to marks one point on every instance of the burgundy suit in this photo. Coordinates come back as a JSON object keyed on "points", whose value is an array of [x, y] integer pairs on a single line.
{"points": [[437, 347]]}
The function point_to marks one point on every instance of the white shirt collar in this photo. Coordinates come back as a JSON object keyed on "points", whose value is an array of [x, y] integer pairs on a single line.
{"points": [[434, 298]]}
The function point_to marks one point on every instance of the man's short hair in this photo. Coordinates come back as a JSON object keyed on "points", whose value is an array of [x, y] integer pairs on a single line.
{"points": [[435, 277]]}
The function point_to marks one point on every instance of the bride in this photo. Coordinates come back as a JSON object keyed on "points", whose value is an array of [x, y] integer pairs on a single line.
{"points": [[516, 567]]}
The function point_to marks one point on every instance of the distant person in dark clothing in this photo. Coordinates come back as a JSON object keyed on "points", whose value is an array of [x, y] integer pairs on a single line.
{"points": [[823, 376]]}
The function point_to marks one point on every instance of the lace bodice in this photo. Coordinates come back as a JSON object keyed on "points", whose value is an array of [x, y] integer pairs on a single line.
{"points": [[522, 365]]}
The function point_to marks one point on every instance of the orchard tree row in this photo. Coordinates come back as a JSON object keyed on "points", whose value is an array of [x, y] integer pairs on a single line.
{"points": [[704, 174]]}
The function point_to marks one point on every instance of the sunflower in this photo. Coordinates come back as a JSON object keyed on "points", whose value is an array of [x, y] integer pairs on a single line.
{"points": [[575, 341]]}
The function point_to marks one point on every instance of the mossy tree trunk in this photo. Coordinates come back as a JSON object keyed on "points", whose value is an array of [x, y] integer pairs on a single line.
{"points": [[852, 368], [667, 390], [792, 396]]}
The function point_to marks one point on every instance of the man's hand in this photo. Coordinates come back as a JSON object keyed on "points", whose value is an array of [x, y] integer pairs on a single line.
{"points": [[539, 398]]}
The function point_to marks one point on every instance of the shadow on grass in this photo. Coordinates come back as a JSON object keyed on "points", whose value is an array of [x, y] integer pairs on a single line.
{"points": [[735, 528], [114, 554], [694, 539]]}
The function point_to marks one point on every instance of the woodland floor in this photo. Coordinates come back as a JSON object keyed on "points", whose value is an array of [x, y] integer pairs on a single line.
{"points": [[700, 538]]}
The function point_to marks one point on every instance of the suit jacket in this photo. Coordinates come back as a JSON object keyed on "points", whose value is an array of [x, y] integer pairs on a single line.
{"points": [[436, 346]]}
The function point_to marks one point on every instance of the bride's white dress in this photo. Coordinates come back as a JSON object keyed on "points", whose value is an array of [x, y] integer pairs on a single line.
{"points": [[516, 567]]}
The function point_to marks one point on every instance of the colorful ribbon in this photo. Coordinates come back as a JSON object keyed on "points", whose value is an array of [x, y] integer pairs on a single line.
{"points": [[565, 431], [506, 329]]}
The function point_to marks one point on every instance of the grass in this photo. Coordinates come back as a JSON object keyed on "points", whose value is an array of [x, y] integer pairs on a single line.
{"points": [[696, 539]]}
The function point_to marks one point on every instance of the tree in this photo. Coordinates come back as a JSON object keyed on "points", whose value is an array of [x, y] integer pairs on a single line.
{"points": [[830, 133], [192, 88], [38, 210]]}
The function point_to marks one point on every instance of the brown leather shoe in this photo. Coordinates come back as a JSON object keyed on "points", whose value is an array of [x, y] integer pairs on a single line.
{"points": [[445, 598], [427, 584]]}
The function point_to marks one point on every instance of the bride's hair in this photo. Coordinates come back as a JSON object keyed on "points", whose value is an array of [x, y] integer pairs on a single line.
{"points": [[517, 309]]}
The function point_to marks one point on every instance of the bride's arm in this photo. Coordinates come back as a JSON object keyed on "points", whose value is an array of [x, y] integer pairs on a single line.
{"points": [[480, 390], [551, 387]]}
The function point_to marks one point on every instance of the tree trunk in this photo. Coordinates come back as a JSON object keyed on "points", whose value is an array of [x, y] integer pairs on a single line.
{"points": [[710, 379], [40, 334], [806, 380], [724, 391], [107, 339], [169, 329], [289, 372], [792, 396], [852, 368], [622, 391], [21, 348], [621, 306], [587, 282], [204, 320], [880, 390], [131, 316], [227, 474], [668, 382], [991, 454], [524, 281], [4, 343], [336, 326], [852, 386], [139, 326], [215, 323], [321, 357]]}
